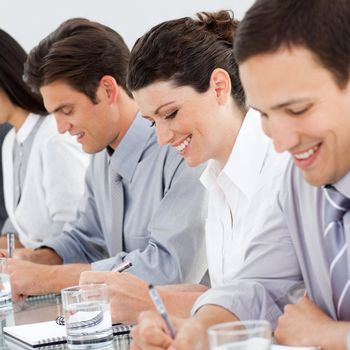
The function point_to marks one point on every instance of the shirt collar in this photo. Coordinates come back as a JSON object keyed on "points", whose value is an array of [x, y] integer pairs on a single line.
{"points": [[246, 160], [26, 128], [126, 156], [343, 185]]}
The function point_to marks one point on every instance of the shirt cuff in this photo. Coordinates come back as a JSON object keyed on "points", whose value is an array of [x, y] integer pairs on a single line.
{"points": [[247, 300], [106, 264]]}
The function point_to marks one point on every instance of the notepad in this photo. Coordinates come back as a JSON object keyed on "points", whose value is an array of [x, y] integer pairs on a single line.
{"points": [[49, 333], [282, 347]]}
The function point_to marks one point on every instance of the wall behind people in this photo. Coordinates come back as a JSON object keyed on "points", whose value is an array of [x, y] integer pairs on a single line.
{"points": [[30, 21]]}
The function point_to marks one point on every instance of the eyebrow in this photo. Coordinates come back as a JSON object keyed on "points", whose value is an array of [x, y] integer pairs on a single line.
{"points": [[63, 105], [162, 106], [290, 102], [284, 104]]}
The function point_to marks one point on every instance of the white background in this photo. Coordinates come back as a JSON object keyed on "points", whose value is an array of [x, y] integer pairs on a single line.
{"points": [[28, 21]]}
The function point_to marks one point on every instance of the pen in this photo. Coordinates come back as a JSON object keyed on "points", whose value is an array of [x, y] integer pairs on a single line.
{"points": [[10, 244], [157, 301], [122, 267]]}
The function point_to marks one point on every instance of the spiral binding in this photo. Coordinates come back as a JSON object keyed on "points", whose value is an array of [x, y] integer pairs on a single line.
{"points": [[43, 297], [81, 324], [52, 341]]}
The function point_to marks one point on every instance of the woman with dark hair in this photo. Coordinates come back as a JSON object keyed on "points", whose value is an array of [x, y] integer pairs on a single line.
{"points": [[184, 77], [43, 170]]}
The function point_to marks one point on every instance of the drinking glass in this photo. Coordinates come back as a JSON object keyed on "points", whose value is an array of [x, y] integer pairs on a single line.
{"points": [[240, 335], [5, 286], [87, 316]]}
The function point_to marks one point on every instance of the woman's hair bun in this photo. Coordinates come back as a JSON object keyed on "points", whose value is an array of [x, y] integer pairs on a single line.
{"points": [[221, 23]]}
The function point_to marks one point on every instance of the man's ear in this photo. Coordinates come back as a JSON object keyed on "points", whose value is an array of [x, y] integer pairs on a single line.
{"points": [[110, 87], [220, 82]]}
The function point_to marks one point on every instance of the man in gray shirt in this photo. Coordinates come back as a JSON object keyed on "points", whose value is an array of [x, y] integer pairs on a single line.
{"points": [[294, 64], [142, 203]]}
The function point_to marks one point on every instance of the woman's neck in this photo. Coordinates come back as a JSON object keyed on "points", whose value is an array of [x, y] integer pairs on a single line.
{"points": [[18, 117], [235, 120]]}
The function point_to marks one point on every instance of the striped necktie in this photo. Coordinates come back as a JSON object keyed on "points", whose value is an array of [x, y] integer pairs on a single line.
{"points": [[336, 205]]}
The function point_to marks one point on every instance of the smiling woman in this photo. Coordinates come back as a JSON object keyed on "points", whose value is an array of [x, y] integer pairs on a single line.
{"points": [[184, 77], [196, 76], [188, 87]]}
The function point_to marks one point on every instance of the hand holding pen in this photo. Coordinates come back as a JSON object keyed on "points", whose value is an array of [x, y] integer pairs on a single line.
{"points": [[158, 303], [120, 268]]}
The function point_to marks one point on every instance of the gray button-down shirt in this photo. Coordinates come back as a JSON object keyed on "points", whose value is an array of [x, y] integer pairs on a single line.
{"points": [[164, 213], [21, 153], [287, 252]]}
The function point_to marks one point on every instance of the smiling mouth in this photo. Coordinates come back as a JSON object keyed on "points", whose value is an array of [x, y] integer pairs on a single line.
{"points": [[181, 147], [79, 136], [306, 154]]}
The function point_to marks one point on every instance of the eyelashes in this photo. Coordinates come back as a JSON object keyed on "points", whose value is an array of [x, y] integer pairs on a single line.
{"points": [[171, 115], [167, 116]]}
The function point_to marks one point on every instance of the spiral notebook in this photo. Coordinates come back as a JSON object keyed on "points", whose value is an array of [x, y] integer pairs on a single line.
{"points": [[49, 333], [282, 347]]}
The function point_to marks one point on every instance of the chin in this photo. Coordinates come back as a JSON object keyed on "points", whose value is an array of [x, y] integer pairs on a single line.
{"points": [[319, 179], [91, 150], [192, 163]]}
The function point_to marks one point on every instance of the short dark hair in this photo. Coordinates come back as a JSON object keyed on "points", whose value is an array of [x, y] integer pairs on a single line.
{"points": [[79, 52], [321, 26], [186, 51], [12, 58]]}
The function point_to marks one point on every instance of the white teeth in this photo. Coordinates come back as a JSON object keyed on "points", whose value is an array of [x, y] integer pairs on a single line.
{"points": [[184, 144], [307, 154]]}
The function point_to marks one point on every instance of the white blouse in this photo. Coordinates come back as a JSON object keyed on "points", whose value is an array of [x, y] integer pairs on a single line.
{"points": [[240, 195], [53, 184]]}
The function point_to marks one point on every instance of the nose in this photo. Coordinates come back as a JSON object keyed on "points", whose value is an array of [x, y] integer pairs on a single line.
{"points": [[282, 132], [164, 133], [62, 124]]}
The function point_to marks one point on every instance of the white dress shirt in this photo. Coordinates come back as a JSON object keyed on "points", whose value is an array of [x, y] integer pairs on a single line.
{"points": [[53, 182], [240, 195], [288, 251]]}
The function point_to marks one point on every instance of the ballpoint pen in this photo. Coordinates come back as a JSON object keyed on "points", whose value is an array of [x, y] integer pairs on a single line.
{"points": [[10, 244], [157, 301], [122, 267]]}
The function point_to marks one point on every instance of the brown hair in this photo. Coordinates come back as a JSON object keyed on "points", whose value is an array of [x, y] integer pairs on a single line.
{"points": [[321, 26], [186, 51], [79, 52]]}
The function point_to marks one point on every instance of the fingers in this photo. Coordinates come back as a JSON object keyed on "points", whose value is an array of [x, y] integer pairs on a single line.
{"points": [[190, 335], [3, 253], [23, 254], [134, 346], [88, 277], [150, 332]]}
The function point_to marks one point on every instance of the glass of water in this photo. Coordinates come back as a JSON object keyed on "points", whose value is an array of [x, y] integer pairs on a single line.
{"points": [[240, 335], [87, 316], [5, 286]]}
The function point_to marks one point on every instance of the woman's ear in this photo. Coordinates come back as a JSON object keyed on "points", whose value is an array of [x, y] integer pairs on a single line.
{"points": [[221, 83], [110, 87]]}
